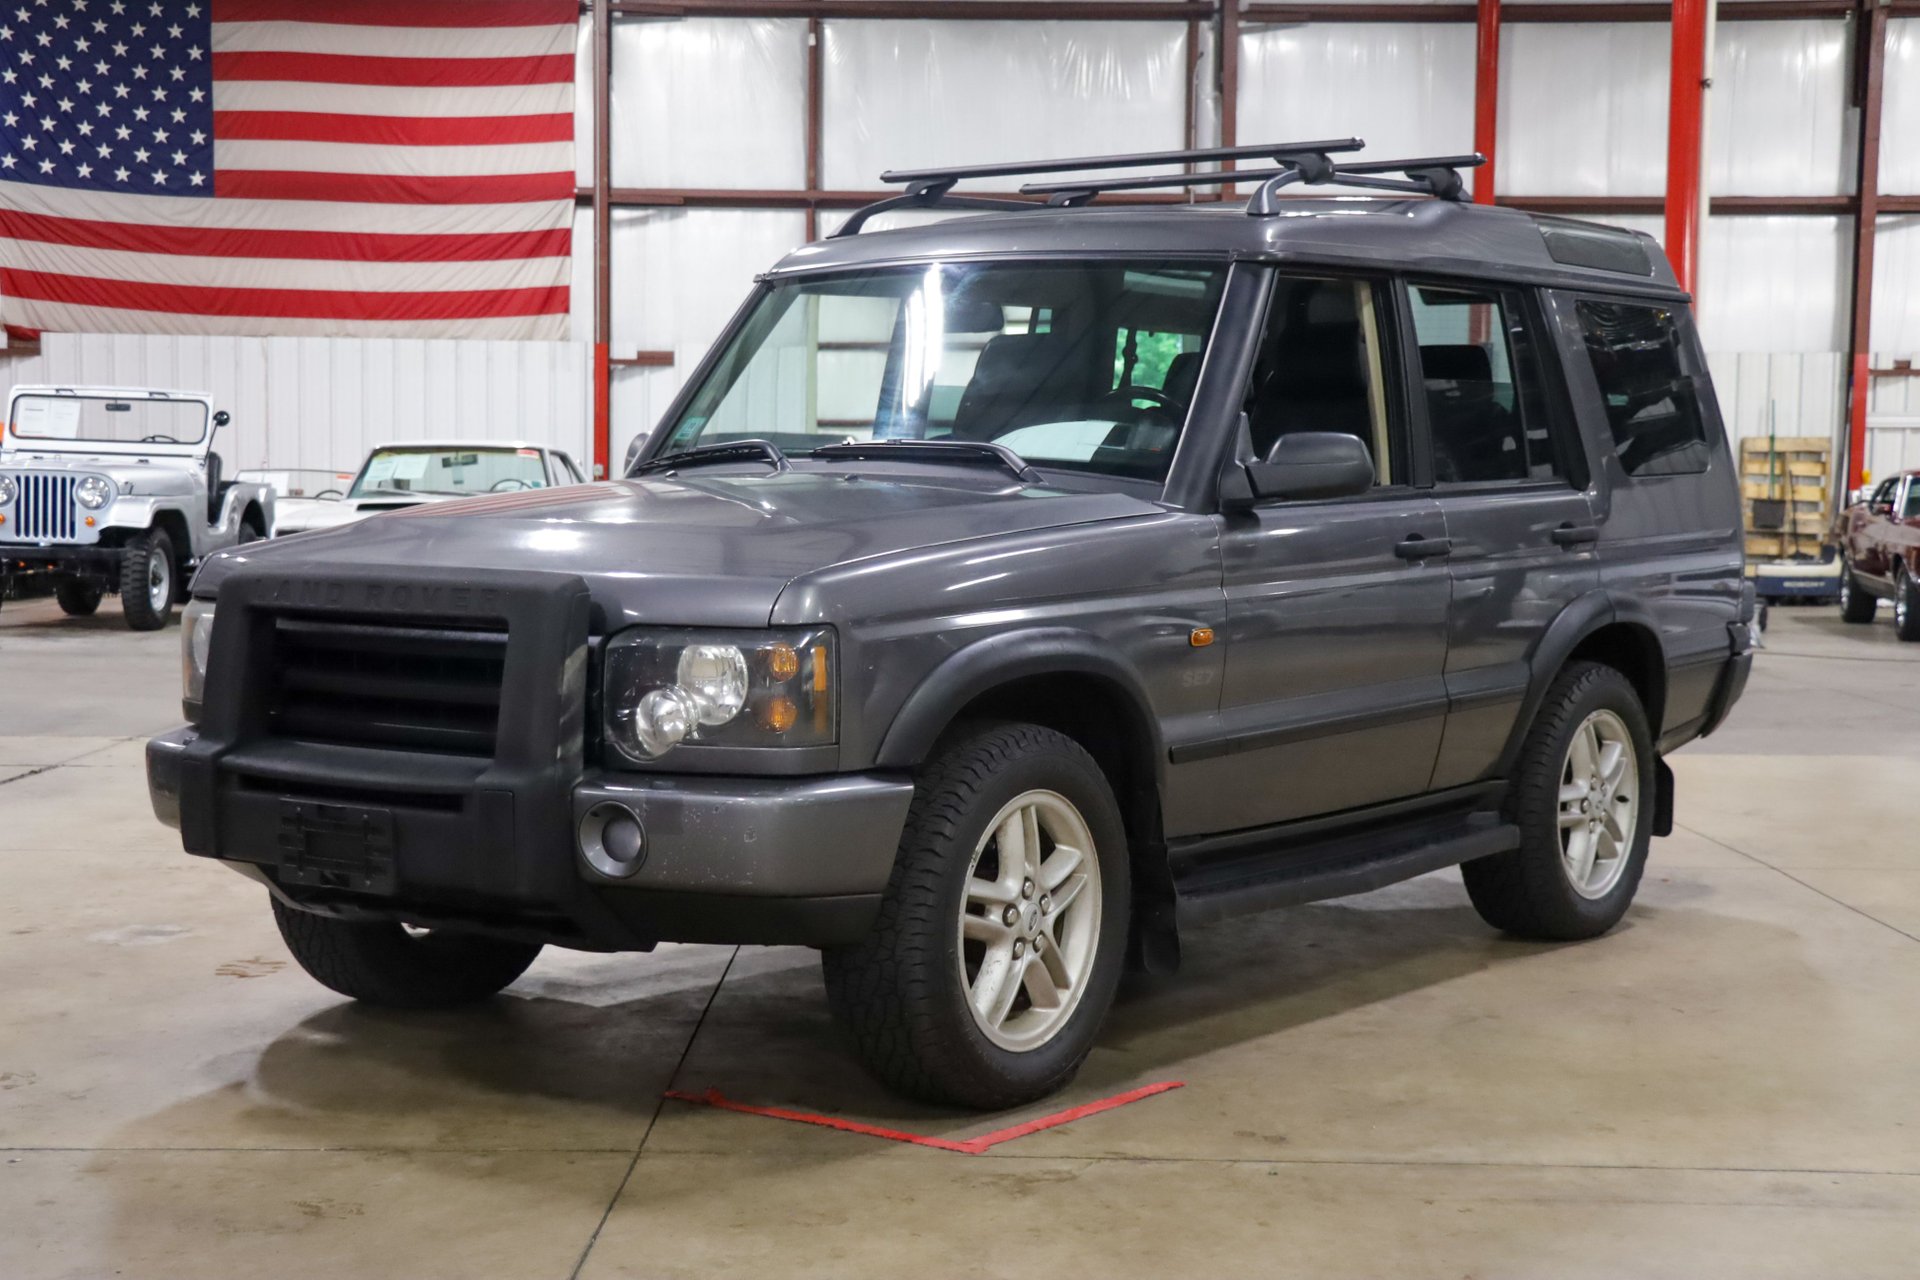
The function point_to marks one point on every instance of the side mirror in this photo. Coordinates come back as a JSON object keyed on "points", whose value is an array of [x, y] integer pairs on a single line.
{"points": [[221, 418], [1313, 464]]}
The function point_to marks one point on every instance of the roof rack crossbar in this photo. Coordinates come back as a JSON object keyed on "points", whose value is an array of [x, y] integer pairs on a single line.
{"points": [[1437, 176], [1128, 160]]}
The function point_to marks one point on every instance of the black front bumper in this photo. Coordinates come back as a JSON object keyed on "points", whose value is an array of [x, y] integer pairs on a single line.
{"points": [[493, 843], [28, 558]]}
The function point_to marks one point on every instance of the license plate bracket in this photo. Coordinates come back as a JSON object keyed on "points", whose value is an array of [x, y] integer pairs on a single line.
{"points": [[337, 846]]}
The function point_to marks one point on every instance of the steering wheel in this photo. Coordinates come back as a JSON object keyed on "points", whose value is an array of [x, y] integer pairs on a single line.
{"points": [[326, 493], [500, 486], [158, 438], [1121, 401]]}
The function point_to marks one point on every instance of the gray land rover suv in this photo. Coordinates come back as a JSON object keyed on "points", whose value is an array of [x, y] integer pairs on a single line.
{"points": [[1008, 595]]}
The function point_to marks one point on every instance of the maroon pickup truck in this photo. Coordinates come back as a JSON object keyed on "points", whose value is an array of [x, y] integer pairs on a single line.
{"points": [[1879, 540]]}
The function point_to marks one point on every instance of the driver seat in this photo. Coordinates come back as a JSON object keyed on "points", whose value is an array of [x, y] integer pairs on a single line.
{"points": [[217, 488]]}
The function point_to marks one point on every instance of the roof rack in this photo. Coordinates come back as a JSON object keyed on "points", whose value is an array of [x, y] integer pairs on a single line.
{"points": [[1304, 162], [932, 188]]}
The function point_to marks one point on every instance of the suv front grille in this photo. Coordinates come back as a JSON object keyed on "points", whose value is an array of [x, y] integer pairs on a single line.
{"points": [[44, 511], [411, 687]]}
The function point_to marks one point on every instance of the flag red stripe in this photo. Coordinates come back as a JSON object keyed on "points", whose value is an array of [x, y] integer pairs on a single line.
{"points": [[440, 73], [213, 242], [392, 131], [291, 304], [387, 188], [402, 13]]}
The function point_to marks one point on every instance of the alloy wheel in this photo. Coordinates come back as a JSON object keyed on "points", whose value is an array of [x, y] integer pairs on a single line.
{"points": [[1030, 920], [1599, 804]]}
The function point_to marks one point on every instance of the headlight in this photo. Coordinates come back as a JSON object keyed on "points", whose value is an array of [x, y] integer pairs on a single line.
{"points": [[718, 688], [93, 492], [9, 490], [196, 644]]}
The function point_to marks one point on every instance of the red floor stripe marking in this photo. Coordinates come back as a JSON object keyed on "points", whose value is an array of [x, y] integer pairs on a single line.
{"points": [[970, 1147]]}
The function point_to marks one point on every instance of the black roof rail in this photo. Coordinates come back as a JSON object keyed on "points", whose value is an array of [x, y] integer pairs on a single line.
{"points": [[932, 188], [1437, 176]]}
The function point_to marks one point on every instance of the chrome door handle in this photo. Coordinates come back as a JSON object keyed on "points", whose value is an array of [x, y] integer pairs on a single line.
{"points": [[1416, 547]]}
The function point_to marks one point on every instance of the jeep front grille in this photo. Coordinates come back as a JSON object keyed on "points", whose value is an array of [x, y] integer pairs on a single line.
{"points": [[44, 511], [420, 688]]}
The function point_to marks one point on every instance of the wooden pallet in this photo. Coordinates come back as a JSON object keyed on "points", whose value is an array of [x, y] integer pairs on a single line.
{"points": [[1791, 469]]}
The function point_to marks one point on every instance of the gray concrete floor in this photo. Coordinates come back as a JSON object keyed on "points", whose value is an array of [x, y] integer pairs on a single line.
{"points": [[1725, 1086]]}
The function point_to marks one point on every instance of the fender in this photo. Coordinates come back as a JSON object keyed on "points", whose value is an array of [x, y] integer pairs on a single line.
{"points": [[1580, 619], [1009, 656]]}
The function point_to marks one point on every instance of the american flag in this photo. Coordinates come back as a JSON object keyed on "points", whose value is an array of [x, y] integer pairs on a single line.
{"points": [[359, 167]]}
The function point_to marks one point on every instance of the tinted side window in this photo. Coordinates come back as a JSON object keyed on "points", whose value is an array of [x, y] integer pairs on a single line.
{"points": [[1486, 411], [1652, 408], [1320, 369]]}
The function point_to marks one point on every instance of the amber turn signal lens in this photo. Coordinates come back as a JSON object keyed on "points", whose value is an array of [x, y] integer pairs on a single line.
{"points": [[778, 715], [1200, 637], [89, 522], [783, 662]]}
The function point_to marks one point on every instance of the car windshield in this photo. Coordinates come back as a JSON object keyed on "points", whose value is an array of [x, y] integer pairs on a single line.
{"points": [[450, 471], [1078, 366], [102, 419]]}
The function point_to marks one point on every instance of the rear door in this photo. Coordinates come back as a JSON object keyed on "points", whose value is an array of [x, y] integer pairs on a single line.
{"points": [[1336, 621], [1511, 480]]}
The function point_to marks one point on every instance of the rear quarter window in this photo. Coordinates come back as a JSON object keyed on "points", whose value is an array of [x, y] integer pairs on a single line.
{"points": [[1652, 403]]}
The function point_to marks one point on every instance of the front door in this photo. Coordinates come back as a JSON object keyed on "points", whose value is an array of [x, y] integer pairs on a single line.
{"points": [[1511, 480], [1336, 612]]}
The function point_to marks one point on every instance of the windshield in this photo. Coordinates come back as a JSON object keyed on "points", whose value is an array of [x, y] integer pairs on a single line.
{"points": [[451, 472], [104, 420], [1081, 366]]}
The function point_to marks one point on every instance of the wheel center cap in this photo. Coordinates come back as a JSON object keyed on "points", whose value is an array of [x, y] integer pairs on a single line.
{"points": [[1030, 919]]}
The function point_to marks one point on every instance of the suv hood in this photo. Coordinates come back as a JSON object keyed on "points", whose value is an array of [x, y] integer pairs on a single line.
{"points": [[695, 550]]}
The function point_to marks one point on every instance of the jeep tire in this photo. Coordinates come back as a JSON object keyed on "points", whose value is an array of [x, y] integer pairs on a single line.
{"points": [[78, 597], [1906, 604], [1583, 798], [1857, 604], [381, 962], [998, 945], [147, 580]]}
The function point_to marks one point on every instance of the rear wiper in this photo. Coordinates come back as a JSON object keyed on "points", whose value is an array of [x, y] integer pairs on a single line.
{"points": [[959, 451], [710, 454]]}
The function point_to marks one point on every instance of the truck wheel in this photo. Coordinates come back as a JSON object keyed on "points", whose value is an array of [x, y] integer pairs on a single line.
{"points": [[382, 963], [1857, 604], [1906, 605], [1002, 932], [1583, 801], [78, 598], [146, 581]]}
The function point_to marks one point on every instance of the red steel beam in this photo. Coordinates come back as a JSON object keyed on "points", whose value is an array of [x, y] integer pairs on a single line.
{"points": [[1686, 112], [1486, 96], [602, 236], [1871, 31]]}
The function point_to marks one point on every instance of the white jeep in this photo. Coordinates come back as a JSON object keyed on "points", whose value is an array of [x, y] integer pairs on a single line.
{"points": [[117, 489]]}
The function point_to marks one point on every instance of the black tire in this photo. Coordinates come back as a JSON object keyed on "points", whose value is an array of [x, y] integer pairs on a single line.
{"points": [[380, 963], [1529, 892], [1906, 605], [146, 603], [902, 993], [1857, 604], [78, 598]]}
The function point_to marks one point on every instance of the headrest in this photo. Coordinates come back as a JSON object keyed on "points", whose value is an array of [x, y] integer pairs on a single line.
{"points": [[1183, 374], [1464, 362]]}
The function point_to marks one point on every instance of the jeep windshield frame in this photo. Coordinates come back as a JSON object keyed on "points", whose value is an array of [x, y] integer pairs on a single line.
{"points": [[1081, 366], [97, 420]]}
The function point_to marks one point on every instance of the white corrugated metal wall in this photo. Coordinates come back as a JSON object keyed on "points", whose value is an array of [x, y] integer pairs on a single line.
{"points": [[324, 402], [719, 103]]}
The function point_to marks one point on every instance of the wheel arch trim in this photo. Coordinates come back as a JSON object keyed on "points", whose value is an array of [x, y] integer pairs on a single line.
{"points": [[1585, 617]]}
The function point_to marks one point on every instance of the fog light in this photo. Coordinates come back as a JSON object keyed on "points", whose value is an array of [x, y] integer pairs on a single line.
{"points": [[613, 840]]}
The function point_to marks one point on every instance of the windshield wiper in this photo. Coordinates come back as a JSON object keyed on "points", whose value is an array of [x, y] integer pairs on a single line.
{"points": [[954, 451], [710, 454]]}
